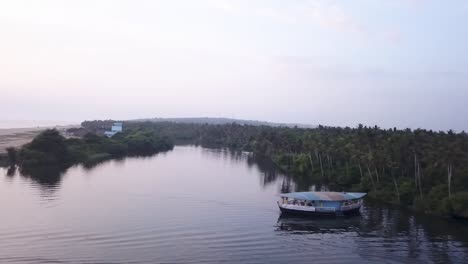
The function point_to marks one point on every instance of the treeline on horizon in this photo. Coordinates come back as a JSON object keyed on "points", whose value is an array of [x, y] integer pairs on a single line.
{"points": [[51, 149], [421, 169]]}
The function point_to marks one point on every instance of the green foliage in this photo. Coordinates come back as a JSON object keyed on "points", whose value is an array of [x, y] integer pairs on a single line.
{"points": [[51, 143], [435, 201], [46, 149], [406, 167], [12, 156], [458, 204], [97, 158], [145, 142], [51, 149]]}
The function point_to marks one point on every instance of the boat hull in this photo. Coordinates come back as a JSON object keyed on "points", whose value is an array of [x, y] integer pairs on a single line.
{"points": [[298, 212]]}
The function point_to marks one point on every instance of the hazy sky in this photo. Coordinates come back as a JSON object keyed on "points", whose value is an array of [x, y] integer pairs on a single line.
{"points": [[392, 63]]}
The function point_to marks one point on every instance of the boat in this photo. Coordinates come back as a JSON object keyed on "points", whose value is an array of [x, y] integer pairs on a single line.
{"points": [[321, 203]]}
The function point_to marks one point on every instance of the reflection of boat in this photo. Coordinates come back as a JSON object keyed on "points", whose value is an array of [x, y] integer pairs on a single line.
{"points": [[302, 224], [321, 203]]}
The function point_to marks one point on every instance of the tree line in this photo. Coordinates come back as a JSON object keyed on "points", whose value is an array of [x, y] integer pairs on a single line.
{"points": [[51, 149], [422, 169]]}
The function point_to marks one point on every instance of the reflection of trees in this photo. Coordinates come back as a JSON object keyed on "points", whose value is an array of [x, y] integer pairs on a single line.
{"points": [[270, 172], [286, 185], [418, 235], [48, 178], [11, 171], [386, 232]]}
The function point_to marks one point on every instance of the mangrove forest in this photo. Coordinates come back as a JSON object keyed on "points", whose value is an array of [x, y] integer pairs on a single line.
{"points": [[420, 169]]}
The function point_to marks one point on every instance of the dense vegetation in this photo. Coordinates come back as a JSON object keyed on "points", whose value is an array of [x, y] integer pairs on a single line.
{"points": [[221, 121], [421, 169], [50, 149]]}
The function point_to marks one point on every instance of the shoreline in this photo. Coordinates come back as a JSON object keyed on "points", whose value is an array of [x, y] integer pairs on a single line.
{"points": [[17, 137]]}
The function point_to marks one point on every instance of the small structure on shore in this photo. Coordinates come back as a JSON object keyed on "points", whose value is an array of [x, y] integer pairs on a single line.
{"points": [[116, 128]]}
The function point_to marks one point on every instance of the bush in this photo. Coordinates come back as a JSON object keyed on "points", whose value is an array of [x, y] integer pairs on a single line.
{"points": [[96, 158], [52, 144], [437, 199], [11, 153], [458, 204], [51, 149]]}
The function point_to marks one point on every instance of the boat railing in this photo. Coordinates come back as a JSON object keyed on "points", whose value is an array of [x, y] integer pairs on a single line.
{"points": [[350, 206], [325, 209], [308, 208]]}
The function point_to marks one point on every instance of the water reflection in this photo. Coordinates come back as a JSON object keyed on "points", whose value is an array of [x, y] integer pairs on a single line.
{"points": [[290, 183], [225, 154], [202, 205], [311, 225], [415, 235], [383, 232], [269, 171], [48, 178], [11, 171]]}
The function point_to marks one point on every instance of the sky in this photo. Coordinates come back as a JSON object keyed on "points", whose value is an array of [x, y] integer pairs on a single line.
{"points": [[391, 63]]}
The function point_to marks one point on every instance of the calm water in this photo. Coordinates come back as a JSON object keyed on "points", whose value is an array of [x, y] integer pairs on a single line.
{"points": [[195, 205]]}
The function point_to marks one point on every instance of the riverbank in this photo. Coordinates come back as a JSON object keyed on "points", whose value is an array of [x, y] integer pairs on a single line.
{"points": [[17, 137], [50, 149], [421, 169], [130, 211]]}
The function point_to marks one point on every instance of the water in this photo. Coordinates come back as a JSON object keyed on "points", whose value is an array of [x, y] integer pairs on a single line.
{"points": [[196, 205]]}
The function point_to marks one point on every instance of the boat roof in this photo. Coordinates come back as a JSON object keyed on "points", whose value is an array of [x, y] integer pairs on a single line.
{"points": [[323, 196]]}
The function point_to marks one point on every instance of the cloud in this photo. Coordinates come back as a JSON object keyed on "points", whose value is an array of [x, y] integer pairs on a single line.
{"points": [[225, 5], [393, 36], [327, 14], [333, 16], [274, 14]]}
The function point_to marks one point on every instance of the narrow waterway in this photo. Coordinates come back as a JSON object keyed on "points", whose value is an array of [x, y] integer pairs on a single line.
{"points": [[194, 205]]}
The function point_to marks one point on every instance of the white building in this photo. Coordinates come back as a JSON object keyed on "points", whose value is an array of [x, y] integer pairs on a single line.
{"points": [[116, 128]]}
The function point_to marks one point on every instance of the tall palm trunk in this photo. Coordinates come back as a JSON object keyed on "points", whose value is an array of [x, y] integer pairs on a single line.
{"points": [[311, 162], [360, 170], [347, 170], [449, 180], [415, 170], [321, 165], [396, 184], [419, 180], [417, 175], [371, 178]]}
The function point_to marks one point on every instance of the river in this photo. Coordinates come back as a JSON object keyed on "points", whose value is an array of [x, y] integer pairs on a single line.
{"points": [[199, 205]]}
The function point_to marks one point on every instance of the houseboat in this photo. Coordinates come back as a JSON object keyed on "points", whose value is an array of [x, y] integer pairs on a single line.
{"points": [[321, 203]]}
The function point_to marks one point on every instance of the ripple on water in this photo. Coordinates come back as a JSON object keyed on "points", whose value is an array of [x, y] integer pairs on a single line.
{"points": [[155, 210]]}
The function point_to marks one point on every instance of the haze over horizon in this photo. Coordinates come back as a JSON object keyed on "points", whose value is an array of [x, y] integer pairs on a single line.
{"points": [[400, 63]]}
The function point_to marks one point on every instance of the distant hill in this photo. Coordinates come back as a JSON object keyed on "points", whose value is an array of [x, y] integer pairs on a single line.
{"points": [[220, 121]]}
